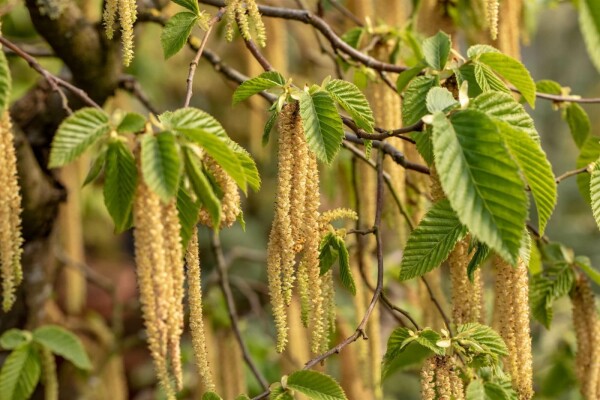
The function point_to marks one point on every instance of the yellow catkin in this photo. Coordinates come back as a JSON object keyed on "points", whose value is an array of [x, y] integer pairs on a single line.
{"points": [[492, 8], [152, 278], [299, 155], [466, 295], [509, 24], [512, 294], [247, 16], [11, 240], [587, 331], [175, 272], [49, 378], [295, 356], [443, 382], [256, 22], [109, 17], [275, 289], [127, 18], [328, 294], [458, 389], [329, 216], [428, 379], [230, 202], [192, 259]]}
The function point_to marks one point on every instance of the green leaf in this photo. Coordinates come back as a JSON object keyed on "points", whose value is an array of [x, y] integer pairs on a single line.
{"points": [[414, 106], [13, 338], [187, 210], [432, 241], [555, 282], [478, 49], [191, 5], [535, 259], [242, 397], [585, 264], [95, 168], [131, 123], [500, 391], [579, 123], [176, 32], [328, 252], [548, 86], [5, 83], [351, 99], [482, 252], [513, 71], [475, 390], [487, 80], [589, 24], [412, 357], [429, 338], [353, 36], [269, 127], [202, 187], [503, 107], [315, 385], [264, 81], [424, 145], [161, 164], [466, 73], [211, 396], [397, 341], [119, 184], [440, 99], [484, 336], [20, 373], [76, 134], [345, 273], [535, 167], [590, 152], [436, 50], [481, 180], [595, 191], [322, 125], [279, 393], [405, 77], [64, 343]]}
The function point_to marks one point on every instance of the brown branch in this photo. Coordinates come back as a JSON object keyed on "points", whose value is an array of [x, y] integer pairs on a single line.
{"points": [[438, 306], [574, 172]]}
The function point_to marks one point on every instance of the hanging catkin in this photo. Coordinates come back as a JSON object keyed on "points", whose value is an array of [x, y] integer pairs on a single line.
{"points": [[247, 16], [230, 201], [509, 25], [10, 215], [491, 13], [440, 380], [192, 259], [127, 12], [512, 297], [587, 331]]}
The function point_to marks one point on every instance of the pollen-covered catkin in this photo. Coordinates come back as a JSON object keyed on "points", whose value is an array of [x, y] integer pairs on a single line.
{"points": [[127, 12], [428, 379], [512, 296], [491, 14], [230, 202], [109, 17], [466, 295], [11, 240], [192, 259], [247, 16], [299, 155], [587, 331]]}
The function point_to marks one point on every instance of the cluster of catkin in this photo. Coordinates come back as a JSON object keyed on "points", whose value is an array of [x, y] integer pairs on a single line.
{"points": [[512, 319], [587, 331], [10, 215], [295, 230], [127, 12], [440, 379], [249, 21], [230, 200]]}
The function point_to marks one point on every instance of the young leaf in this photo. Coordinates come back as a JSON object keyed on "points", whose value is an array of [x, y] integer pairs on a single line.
{"points": [[187, 210], [547, 287], [279, 393], [131, 123], [466, 73], [548, 86], [590, 152], [63, 343], [211, 396], [161, 164], [595, 191], [579, 123], [76, 133], [5, 83], [475, 390], [397, 342], [586, 266], [484, 336], [119, 184], [351, 99], [20, 373], [431, 242], [487, 80], [479, 49], [322, 125], [436, 50], [589, 24], [269, 127], [353, 36], [424, 144], [500, 391], [481, 180], [414, 106], [482, 252], [513, 71], [13, 338], [440, 99], [176, 32], [405, 77], [328, 252], [535, 167], [345, 273], [264, 81], [429, 338], [202, 188], [191, 5], [315, 385]]}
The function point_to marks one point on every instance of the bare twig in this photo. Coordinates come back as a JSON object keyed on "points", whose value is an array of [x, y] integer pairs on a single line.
{"points": [[438, 305], [574, 172]]}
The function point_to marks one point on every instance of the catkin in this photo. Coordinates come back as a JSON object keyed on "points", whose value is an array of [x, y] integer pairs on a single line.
{"points": [[328, 294], [512, 298], [109, 16], [230, 201], [248, 18], [192, 259], [428, 379], [466, 296], [127, 12], [491, 14], [587, 331], [49, 378], [509, 24], [440, 380], [11, 240]]}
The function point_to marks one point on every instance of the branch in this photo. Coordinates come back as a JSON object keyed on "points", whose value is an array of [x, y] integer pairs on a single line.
{"points": [[131, 85], [574, 172]]}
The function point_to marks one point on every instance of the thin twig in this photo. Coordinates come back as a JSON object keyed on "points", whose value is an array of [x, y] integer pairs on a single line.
{"points": [[438, 306], [345, 12], [569, 174], [262, 60]]}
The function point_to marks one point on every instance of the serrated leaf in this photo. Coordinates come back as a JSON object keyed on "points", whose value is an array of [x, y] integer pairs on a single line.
{"points": [[20, 373], [436, 50], [595, 191], [466, 73], [161, 164], [279, 393], [585, 264], [535, 259], [119, 184], [322, 125], [269, 127], [589, 24], [424, 145], [328, 252], [202, 187], [131, 123], [488, 339], [187, 210], [440, 99], [482, 252], [13, 338], [191, 5], [536, 168], [487, 80], [500, 391], [432, 241], [211, 396], [590, 152], [475, 390], [351, 99], [548, 86], [176, 32], [264, 81], [430, 339], [95, 168], [344, 261], [395, 344], [405, 77], [76, 134], [5, 83], [513, 71], [315, 385], [414, 106], [481, 180], [479, 49], [63, 343], [555, 282], [579, 123]]}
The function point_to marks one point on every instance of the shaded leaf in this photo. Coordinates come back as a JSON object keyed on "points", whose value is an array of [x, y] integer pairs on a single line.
{"points": [[482, 252], [579, 123], [161, 164], [119, 184], [20, 373], [264, 81], [315, 385], [414, 106], [555, 282], [131, 123], [513, 71], [13, 338], [269, 127], [187, 210], [351, 99], [405, 77], [322, 125], [176, 32], [328, 252], [345, 272], [95, 168], [436, 50], [5, 83], [202, 188], [64, 343]]}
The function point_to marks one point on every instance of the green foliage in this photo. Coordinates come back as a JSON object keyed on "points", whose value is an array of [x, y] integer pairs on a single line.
{"points": [[202, 187], [481, 253], [211, 396], [279, 393], [322, 124], [595, 191], [590, 152], [414, 106], [432, 241], [264, 81], [579, 123], [64, 344], [131, 123], [471, 173], [351, 99], [176, 32], [76, 134], [13, 338], [479, 343], [119, 184], [440, 99], [161, 164], [5, 83], [548, 86], [589, 23], [544, 288], [487, 80], [20, 373], [402, 340], [436, 50], [405, 77], [269, 127], [315, 385], [96, 167], [191, 5], [332, 248]]}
